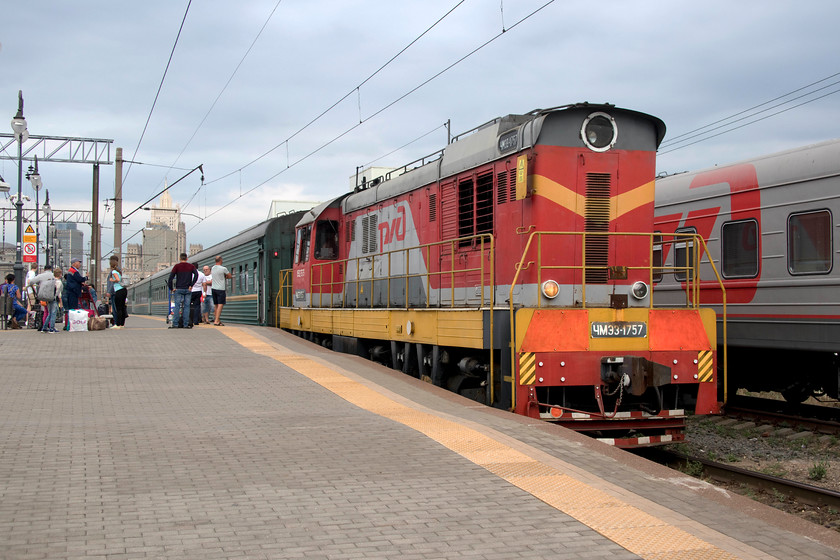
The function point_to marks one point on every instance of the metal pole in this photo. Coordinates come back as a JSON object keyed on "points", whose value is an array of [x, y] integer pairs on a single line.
{"points": [[94, 229], [37, 228], [47, 213], [118, 205], [18, 268]]}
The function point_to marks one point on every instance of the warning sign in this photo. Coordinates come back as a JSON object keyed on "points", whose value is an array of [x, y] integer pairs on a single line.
{"points": [[29, 252]]}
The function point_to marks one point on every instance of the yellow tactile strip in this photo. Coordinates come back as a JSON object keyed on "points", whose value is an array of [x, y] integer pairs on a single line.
{"points": [[628, 526]]}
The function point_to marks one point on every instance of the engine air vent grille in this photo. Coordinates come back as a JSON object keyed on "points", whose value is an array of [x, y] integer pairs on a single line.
{"points": [[598, 190]]}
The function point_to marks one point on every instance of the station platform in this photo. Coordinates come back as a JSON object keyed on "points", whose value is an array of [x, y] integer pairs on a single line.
{"points": [[247, 442]]}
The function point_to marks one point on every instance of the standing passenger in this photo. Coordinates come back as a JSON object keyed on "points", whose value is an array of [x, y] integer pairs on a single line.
{"points": [[195, 299], [46, 292], [73, 281], [218, 274], [185, 276], [207, 304], [119, 293], [53, 306]]}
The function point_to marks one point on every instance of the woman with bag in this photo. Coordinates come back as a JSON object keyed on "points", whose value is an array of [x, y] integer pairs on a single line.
{"points": [[117, 293]]}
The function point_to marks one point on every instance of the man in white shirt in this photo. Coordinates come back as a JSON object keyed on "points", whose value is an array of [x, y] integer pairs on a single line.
{"points": [[195, 298], [207, 304], [218, 275]]}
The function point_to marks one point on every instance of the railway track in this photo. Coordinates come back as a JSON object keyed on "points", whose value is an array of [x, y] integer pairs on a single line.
{"points": [[819, 419], [802, 493]]}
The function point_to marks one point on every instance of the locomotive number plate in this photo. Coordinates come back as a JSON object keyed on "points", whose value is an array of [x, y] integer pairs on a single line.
{"points": [[620, 329]]}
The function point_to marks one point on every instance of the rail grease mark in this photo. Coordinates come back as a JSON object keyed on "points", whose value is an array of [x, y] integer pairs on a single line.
{"points": [[640, 533]]}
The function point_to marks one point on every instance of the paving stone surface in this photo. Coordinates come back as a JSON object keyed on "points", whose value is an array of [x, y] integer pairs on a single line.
{"points": [[153, 443]]}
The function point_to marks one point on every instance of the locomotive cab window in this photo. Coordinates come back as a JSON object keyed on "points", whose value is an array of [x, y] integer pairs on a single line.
{"points": [[302, 244], [809, 242], [684, 256], [739, 241], [326, 240]]}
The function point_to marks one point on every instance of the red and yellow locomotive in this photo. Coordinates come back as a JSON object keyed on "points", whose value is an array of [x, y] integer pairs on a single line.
{"points": [[515, 268]]}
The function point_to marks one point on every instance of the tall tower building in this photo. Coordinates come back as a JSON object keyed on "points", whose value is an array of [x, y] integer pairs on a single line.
{"points": [[70, 244]]}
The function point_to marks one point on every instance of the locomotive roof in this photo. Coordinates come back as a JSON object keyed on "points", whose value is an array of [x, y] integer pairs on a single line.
{"points": [[473, 148]]}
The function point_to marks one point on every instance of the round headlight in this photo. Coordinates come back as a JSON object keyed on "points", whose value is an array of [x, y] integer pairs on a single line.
{"points": [[550, 289], [639, 290], [599, 132]]}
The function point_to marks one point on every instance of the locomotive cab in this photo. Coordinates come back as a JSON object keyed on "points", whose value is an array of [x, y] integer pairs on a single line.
{"points": [[317, 272]]}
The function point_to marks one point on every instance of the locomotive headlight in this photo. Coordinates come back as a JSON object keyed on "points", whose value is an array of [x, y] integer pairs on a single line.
{"points": [[550, 289], [640, 290], [599, 132]]}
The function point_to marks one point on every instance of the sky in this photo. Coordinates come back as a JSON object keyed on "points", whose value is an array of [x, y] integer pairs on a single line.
{"points": [[283, 100]]}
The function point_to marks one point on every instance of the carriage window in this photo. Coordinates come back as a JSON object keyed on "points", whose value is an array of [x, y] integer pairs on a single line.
{"points": [[247, 287], [254, 272], [684, 255], [657, 258], [740, 249], [302, 244], [809, 242], [326, 240]]}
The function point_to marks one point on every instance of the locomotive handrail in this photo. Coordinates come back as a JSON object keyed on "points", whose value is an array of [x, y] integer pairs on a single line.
{"points": [[284, 284], [324, 282], [695, 247]]}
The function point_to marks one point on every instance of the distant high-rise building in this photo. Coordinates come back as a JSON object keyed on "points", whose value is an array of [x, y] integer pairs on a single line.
{"points": [[195, 248], [70, 244], [164, 238], [160, 247]]}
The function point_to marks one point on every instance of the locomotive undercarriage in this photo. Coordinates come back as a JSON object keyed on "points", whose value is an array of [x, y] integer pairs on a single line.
{"points": [[461, 370], [797, 375], [634, 405]]}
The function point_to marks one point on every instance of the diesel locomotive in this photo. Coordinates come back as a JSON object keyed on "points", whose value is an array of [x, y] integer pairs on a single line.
{"points": [[515, 267]]}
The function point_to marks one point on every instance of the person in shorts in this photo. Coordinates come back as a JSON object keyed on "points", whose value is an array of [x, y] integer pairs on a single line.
{"points": [[218, 274]]}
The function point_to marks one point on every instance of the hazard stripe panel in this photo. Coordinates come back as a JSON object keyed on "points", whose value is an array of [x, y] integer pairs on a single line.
{"points": [[527, 368], [705, 366], [608, 513]]}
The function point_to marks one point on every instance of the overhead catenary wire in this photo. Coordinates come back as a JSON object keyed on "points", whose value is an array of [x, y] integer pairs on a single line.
{"points": [[731, 123], [373, 115], [160, 87], [751, 122], [356, 89], [224, 87]]}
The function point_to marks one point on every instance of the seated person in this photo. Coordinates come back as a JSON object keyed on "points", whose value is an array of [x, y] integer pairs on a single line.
{"points": [[18, 310]]}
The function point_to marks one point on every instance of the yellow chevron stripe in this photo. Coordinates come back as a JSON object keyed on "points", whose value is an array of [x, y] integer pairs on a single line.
{"points": [[705, 363], [527, 368], [574, 202]]}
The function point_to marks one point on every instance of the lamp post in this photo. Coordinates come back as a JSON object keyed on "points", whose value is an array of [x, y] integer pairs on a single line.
{"points": [[21, 135], [48, 216], [35, 178]]}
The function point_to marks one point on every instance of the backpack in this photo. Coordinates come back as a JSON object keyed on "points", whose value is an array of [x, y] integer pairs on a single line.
{"points": [[46, 290]]}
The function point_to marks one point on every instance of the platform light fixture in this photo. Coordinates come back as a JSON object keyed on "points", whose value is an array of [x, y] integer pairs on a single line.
{"points": [[21, 135]]}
